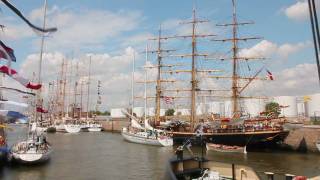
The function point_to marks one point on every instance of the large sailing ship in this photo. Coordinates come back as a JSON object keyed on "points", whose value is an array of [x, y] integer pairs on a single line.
{"points": [[238, 129]]}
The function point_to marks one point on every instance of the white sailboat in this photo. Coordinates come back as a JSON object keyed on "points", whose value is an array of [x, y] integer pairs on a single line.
{"points": [[144, 135], [35, 148]]}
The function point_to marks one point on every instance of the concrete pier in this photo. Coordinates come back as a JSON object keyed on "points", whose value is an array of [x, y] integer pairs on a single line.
{"points": [[115, 125], [304, 139]]}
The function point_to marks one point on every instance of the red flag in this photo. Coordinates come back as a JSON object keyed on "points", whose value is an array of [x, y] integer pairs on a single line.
{"points": [[41, 110], [25, 82], [269, 75]]}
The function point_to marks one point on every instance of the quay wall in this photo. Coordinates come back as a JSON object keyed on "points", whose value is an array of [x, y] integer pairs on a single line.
{"points": [[303, 139], [115, 125]]}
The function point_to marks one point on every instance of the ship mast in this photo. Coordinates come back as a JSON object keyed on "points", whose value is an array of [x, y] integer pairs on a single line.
{"points": [[235, 94], [39, 100], [194, 82], [235, 77], [158, 85], [88, 89]]}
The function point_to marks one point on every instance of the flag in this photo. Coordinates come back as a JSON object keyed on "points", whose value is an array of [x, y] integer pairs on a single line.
{"points": [[6, 51], [41, 110], [168, 100], [25, 82], [269, 75]]}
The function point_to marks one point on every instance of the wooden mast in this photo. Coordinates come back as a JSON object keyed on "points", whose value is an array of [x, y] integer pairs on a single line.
{"points": [[235, 94], [88, 89], [194, 82], [158, 85], [39, 100]]}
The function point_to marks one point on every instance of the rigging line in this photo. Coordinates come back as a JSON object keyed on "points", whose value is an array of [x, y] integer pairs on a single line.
{"points": [[314, 37], [17, 12]]}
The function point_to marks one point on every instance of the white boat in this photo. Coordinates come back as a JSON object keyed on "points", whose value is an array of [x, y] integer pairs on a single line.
{"points": [[72, 128], [145, 135], [318, 145], [31, 151], [95, 127], [60, 128]]}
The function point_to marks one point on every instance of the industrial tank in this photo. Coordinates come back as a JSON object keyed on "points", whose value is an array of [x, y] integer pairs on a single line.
{"points": [[289, 104], [254, 107], [314, 105]]}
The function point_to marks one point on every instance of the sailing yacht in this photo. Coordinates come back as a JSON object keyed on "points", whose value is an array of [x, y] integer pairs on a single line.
{"points": [[35, 149], [145, 135]]}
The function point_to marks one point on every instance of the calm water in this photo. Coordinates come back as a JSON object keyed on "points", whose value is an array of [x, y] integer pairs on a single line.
{"points": [[106, 156]]}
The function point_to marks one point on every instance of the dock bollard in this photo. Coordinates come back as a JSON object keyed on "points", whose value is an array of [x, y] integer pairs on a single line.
{"points": [[289, 176], [270, 175]]}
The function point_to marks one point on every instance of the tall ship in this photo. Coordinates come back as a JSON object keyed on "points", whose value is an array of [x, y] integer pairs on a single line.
{"points": [[230, 81]]}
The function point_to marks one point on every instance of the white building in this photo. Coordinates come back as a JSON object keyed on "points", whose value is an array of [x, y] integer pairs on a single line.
{"points": [[117, 113]]}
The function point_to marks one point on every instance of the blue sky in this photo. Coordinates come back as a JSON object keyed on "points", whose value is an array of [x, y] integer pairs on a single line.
{"points": [[117, 25]]}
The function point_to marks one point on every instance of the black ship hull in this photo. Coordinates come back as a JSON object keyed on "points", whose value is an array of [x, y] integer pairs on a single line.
{"points": [[250, 139]]}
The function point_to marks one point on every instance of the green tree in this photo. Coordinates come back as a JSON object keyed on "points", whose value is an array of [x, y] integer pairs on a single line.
{"points": [[273, 109], [169, 112]]}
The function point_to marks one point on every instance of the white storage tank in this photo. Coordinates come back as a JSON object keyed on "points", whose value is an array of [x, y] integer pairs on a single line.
{"points": [[162, 112], [183, 112], [139, 111], [151, 111], [227, 109], [215, 107], [314, 105], [254, 106], [290, 105], [199, 109], [117, 113]]}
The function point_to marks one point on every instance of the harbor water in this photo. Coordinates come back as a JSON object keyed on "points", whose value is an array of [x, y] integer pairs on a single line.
{"points": [[105, 155]]}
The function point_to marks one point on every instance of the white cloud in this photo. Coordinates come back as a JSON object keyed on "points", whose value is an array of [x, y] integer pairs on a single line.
{"points": [[298, 11], [301, 79], [263, 48], [267, 49], [90, 27], [286, 49], [114, 72]]}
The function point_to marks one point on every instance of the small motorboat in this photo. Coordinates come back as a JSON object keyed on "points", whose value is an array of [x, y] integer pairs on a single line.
{"points": [[318, 145], [225, 148]]}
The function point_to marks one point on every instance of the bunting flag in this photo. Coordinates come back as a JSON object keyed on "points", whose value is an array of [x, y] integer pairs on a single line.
{"points": [[25, 82], [41, 110], [38, 30], [269, 75], [168, 100], [6, 51]]}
